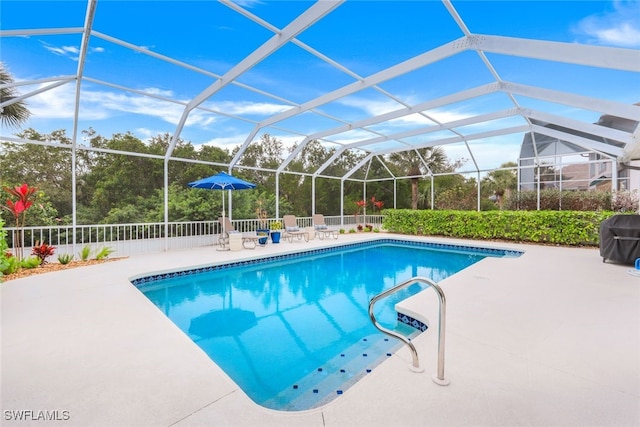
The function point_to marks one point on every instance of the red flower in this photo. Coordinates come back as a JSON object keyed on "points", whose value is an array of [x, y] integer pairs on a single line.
{"points": [[16, 208], [379, 204], [360, 204], [22, 193]]}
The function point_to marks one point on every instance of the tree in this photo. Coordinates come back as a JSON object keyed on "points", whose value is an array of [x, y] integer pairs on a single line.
{"points": [[415, 163], [461, 196], [119, 180], [48, 168], [182, 173], [296, 189], [266, 153], [501, 181], [15, 114]]}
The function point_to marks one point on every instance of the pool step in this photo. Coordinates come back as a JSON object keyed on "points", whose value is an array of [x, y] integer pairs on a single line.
{"points": [[336, 375]]}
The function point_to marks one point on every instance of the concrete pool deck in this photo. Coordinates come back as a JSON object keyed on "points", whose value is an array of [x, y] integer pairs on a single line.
{"points": [[551, 338]]}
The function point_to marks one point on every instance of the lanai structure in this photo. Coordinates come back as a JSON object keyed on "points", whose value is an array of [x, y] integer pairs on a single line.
{"points": [[480, 89]]}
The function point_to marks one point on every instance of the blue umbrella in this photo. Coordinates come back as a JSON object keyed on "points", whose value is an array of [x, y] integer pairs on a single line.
{"points": [[222, 181]]}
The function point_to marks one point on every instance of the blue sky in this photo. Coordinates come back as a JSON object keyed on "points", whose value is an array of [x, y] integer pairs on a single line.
{"points": [[363, 36]]}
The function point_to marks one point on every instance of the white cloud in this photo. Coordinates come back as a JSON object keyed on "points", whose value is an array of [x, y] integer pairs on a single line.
{"points": [[373, 108], [59, 103], [225, 142], [71, 52], [159, 92], [56, 103], [351, 137], [624, 35], [376, 108], [63, 51], [489, 154], [146, 133], [618, 27], [246, 107]]}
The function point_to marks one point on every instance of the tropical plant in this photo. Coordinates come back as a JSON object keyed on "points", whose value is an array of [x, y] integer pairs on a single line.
{"points": [[361, 205], [4, 254], [261, 211], [13, 113], [377, 204], [18, 208], [48, 168], [501, 182], [30, 262], [65, 258], [415, 163], [85, 252], [10, 265], [43, 251], [275, 225], [104, 253]]}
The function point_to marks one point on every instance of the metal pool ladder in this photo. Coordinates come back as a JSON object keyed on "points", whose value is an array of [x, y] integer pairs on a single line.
{"points": [[415, 366]]}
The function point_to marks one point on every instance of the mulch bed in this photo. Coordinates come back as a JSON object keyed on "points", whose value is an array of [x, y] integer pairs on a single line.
{"points": [[55, 266]]}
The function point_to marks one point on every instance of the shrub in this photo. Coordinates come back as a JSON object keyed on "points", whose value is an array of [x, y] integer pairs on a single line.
{"points": [[625, 201], [31, 262], [553, 200], [4, 254], [85, 252], [276, 226], [65, 258], [10, 265], [43, 251], [104, 253], [556, 227], [457, 197]]}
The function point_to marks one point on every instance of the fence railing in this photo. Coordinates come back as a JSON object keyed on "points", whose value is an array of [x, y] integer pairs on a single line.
{"points": [[130, 239]]}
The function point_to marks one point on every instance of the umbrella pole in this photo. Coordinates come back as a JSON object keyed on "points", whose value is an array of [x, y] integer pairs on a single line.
{"points": [[224, 246]]}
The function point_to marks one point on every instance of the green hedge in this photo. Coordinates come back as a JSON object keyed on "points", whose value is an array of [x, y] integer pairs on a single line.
{"points": [[556, 227], [555, 200]]}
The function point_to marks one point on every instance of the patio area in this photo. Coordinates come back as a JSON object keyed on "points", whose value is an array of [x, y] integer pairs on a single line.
{"points": [[551, 338]]}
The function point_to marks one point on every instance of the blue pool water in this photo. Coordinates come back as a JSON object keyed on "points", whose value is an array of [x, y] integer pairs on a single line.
{"points": [[293, 331]]}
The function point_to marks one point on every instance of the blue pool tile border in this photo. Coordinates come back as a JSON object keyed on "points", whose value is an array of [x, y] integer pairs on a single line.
{"points": [[431, 245], [414, 323]]}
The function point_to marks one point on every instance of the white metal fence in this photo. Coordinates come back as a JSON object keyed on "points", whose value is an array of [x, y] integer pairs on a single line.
{"points": [[130, 239]]}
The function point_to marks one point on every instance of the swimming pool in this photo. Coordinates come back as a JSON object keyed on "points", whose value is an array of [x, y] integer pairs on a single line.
{"points": [[293, 330]]}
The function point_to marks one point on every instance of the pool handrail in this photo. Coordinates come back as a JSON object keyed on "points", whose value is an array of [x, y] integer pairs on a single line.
{"points": [[437, 378]]}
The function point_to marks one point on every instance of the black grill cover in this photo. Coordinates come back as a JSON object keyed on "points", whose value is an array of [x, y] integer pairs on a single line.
{"points": [[620, 238]]}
